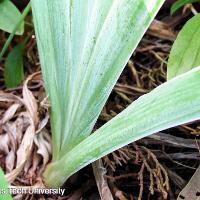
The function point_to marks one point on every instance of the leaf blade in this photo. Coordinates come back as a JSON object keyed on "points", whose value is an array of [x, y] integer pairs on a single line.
{"points": [[149, 114], [82, 87], [185, 52], [179, 3], [14, 68], [9, 17], [4, 187]]}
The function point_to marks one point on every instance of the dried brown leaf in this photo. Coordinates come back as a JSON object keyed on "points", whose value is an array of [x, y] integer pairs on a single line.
{"points": [[30, 102], [8, 97], [26, 145], [44, 146], [10, 161], [32, 170], [101, 180], [10, 129], [19, 129], [192, 189], [9, 114], [4, 143], [23, 153], [43, 123]]}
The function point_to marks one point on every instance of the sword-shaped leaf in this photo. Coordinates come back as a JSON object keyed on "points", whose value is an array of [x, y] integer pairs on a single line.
{"points": [[83, 47], [172, 103]]}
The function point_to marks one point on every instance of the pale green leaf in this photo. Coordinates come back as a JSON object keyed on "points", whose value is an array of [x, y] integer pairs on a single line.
{"points": [[172, 103], [4, 192], [14, 68], [83, 49], [9, 17], [185, 53]]}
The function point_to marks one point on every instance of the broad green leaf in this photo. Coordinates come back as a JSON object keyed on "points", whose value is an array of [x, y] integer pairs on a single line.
{"points": [[180, 3], [14, 68], [172, 103], [11, 36], [185, 52], [4, 192], [9, 17], [83, 49]]}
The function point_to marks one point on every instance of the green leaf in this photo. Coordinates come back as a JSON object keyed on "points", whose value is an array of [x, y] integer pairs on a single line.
{"points": [[172, 103], [11, 36], [185, 53], [83, 49], [180, 3], [9, 17], [4, 192], [14, 68]]}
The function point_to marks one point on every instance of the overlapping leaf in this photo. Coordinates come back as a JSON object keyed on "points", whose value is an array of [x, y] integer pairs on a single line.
{"points": [[83, 49], [173, 103]]}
